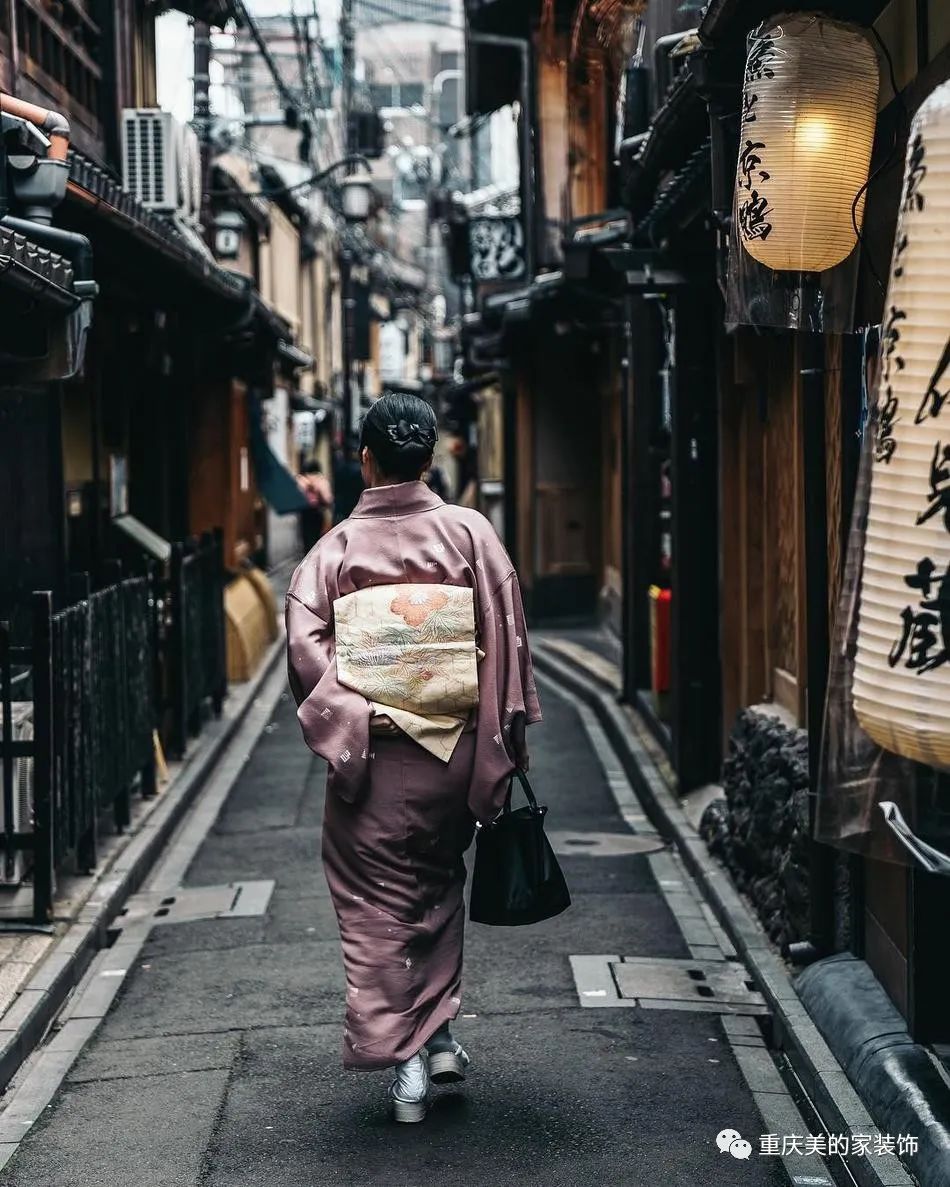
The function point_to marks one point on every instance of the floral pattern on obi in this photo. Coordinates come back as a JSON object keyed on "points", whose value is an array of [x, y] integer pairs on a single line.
{"points": [[411, 651]]}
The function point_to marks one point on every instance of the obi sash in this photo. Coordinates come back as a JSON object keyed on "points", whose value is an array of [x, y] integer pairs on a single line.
{"points": [[411, 651]]}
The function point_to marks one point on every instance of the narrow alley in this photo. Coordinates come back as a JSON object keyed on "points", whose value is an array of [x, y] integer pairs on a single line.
{"points": [[230, 1028]]}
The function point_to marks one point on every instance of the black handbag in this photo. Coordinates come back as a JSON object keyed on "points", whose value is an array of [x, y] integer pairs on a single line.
{"points": [[517, 878]]}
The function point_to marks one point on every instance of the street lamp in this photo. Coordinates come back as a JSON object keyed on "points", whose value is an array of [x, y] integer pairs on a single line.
{"points": [[356, 200], [356, 197]]}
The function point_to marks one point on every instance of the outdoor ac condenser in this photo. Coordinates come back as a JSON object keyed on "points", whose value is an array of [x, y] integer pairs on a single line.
{"points": [[160, 162], [150, 168], [13, 870], [161, 168]]}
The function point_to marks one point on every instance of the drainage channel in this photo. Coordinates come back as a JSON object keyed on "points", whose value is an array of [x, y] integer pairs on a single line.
{"points": [[712, 980]]}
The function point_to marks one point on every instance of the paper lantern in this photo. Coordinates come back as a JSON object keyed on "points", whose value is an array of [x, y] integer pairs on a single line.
{"points": [[809, 106], [902, 663]]}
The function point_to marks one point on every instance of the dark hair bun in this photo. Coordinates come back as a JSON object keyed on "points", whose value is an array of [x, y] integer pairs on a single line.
{"points": [[400, 431]]}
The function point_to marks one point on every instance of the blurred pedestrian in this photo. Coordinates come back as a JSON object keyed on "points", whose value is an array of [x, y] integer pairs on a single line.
{"points": [[436, 481], [347, 481], [314, 519], [409, 663]]}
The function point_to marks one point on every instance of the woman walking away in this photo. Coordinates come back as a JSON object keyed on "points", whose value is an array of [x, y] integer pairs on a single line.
{"points": [[409, 662]]}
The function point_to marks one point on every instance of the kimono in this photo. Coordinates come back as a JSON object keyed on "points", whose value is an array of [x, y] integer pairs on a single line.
{"points": [[398, 815]]}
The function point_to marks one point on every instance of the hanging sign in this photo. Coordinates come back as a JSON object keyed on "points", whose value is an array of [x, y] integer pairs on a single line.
{"points": [[496, 248]]}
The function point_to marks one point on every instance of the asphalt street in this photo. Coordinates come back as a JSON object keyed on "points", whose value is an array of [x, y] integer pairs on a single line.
{"points": [[219, 1063]]}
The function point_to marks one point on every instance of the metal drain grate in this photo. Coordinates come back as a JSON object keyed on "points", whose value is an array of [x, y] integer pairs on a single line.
{"points": [[237, 900], [710, 987]]}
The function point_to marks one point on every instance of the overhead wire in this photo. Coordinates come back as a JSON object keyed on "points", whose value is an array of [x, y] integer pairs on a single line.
{"points": [[899, 128], [261, 43]]}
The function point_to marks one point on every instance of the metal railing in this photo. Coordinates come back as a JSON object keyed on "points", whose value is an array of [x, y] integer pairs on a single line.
{"points": [[196, 637], [90, 672]]}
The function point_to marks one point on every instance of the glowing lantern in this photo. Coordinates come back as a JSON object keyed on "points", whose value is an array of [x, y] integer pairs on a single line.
{"points": [[902, 663], [809, 106]]}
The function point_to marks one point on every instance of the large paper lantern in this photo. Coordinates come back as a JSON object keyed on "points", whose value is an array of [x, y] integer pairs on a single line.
{"points": [[809, 106], [902, 663]]}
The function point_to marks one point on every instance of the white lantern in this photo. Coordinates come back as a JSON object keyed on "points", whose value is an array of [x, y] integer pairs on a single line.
{"points": [[902, 664], [809, 107]]}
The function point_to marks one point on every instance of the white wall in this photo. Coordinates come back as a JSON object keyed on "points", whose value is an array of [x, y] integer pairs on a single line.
{"points": [[283, 533]]}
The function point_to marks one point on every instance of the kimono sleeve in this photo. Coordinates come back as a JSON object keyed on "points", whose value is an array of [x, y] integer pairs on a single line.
{"points": [[334, 719], [508, 699]]}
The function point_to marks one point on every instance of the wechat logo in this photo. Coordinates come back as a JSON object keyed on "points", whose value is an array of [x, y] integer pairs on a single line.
{"points": [[732, 1141]]}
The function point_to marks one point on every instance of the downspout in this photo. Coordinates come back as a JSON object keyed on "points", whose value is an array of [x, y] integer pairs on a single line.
{"points": [[39, 184], [53, 123], [40, 192]]}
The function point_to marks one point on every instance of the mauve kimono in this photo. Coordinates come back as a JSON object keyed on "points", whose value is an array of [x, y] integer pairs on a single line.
{"points": [[398, 819]]}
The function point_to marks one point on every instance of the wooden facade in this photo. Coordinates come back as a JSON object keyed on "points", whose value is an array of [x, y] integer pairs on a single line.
{"points": [[649, 425], [156, 423]]}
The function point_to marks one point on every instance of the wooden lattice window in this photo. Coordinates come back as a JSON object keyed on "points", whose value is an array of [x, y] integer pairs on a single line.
{"points": [[60, 49]]}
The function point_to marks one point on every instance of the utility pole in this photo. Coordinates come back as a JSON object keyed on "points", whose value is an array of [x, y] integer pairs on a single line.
{"points": [[202, 119], [347, 46], [346, 259]]}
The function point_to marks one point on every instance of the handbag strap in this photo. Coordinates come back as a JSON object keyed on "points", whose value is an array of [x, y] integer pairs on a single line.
{"points": [[522, 778]]}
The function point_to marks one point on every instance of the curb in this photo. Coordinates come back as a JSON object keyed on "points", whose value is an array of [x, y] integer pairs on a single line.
{"points": [[25, 1023], [837, 1103]]}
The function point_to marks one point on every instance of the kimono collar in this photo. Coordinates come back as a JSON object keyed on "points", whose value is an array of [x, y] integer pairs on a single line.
{"points": [[404, 498]]}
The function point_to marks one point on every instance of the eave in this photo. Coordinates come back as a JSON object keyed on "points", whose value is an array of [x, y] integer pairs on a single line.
{"points": [[730, 20]]}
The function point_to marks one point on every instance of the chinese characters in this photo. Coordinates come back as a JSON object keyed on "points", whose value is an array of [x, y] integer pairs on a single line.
{"points": [[857, 1145], [916, 172], [920, 648], [885, 444], [753, 211]]}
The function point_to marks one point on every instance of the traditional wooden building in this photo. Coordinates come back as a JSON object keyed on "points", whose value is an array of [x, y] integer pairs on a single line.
{"points": [[698, 467]]}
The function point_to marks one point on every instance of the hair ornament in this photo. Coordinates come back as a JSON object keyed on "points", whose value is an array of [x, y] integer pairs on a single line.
{"points": [[405, 433]]}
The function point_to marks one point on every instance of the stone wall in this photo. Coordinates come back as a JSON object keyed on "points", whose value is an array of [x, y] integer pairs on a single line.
{"points": [[760, 829]]}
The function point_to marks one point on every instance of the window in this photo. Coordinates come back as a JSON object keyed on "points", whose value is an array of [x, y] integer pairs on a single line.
{"points": [[397, 94], [62, 57]]}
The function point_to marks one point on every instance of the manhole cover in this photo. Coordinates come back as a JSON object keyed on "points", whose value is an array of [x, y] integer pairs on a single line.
{"points": [[604, 844], [711, 987]]}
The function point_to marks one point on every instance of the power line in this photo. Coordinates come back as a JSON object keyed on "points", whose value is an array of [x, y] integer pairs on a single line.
{"points": [[313, 180], [282, 89]]}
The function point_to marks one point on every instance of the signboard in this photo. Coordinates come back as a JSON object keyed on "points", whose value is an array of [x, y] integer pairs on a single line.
{"points": [[496, 248]]}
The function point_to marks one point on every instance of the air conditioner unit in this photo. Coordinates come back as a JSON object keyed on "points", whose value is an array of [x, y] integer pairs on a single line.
{"points": [[13, 870], [161, 164], [161, 167], [150, 168]]}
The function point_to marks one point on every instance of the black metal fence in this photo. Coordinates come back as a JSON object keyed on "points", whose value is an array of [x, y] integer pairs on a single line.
{"points": [[197, 657], [91, 673]]}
